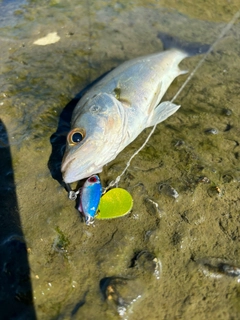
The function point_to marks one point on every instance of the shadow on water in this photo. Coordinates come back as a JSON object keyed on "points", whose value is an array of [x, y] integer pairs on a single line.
{"points": [[16, 299], [58, 138]]}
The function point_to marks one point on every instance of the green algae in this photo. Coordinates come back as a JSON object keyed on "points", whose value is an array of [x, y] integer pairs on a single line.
{"points": [[62, 241]]}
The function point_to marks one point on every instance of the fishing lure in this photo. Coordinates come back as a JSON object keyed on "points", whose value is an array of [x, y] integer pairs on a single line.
{"points": [[89, 199]]}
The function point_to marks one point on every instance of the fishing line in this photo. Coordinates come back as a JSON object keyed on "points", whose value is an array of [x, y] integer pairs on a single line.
{"points": [[89, 39], [199, 64]]}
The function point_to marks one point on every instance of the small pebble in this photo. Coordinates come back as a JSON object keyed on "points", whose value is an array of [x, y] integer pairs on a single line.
{"points": [[179, 143], [215, 191], [217, 268], [211, 131], [147, 262], [227, 178], [227, 112], [152, 206], [120, 293], [203, 180], [168, 190], [228, 127]]}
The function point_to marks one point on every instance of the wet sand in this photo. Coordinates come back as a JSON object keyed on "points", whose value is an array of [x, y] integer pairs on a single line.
{"points": [[195, 152]]}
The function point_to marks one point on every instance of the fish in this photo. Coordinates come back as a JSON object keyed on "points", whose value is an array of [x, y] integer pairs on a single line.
{"points": [[117, 109], [89, 199]]}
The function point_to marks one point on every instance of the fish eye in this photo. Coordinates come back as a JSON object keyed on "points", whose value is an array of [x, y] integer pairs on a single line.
{"points": [[75, 136]]}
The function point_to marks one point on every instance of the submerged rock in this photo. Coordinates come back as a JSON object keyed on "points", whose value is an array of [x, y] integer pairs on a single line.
{"points": [[168, 190], [152, 207], [217, 268], [227, 112], [211, 131], [122, 292], [146, 262]]}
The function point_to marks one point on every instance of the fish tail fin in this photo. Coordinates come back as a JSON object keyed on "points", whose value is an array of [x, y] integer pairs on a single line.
{"points": [[191, 48]]}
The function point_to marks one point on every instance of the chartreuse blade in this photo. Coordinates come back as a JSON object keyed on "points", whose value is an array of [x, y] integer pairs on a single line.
{"points": [[115, 203]]}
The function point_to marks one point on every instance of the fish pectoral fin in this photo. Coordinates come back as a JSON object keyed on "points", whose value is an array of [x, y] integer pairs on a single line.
{"points": [[161, 113], [156, 98], [119, 95]]}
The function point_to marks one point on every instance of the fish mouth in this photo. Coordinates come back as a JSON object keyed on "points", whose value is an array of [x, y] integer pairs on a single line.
{"points": [[75, 176], [76, 173], [65, 164], [69, 174]]}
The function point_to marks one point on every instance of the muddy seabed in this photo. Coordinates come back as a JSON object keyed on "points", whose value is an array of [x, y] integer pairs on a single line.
{"points": [[195, 152]]}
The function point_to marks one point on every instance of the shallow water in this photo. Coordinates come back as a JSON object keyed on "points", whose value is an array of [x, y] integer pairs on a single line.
{"points": [[41, 231]]}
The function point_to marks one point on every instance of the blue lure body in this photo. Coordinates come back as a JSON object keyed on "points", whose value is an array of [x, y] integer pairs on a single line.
{"points": [[90, 197]]}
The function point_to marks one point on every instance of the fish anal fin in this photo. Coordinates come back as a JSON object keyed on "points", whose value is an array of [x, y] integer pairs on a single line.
{"points": [[161, 113]]}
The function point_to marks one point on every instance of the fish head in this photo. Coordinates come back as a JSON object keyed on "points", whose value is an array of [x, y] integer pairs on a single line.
{"points": [[95, 137]]}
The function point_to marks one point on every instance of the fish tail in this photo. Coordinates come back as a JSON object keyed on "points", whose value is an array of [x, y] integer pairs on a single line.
{"points": [[190, 48]]}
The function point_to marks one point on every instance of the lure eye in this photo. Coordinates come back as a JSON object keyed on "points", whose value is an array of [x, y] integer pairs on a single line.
{"points": [[75, 136], [92, 179]]}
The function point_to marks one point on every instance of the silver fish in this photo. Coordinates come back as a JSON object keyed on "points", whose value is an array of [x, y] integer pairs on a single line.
{"points": [[117, 109]]}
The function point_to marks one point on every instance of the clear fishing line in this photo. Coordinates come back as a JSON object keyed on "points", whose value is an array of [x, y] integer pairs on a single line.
{"points": [[199, 64]]}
